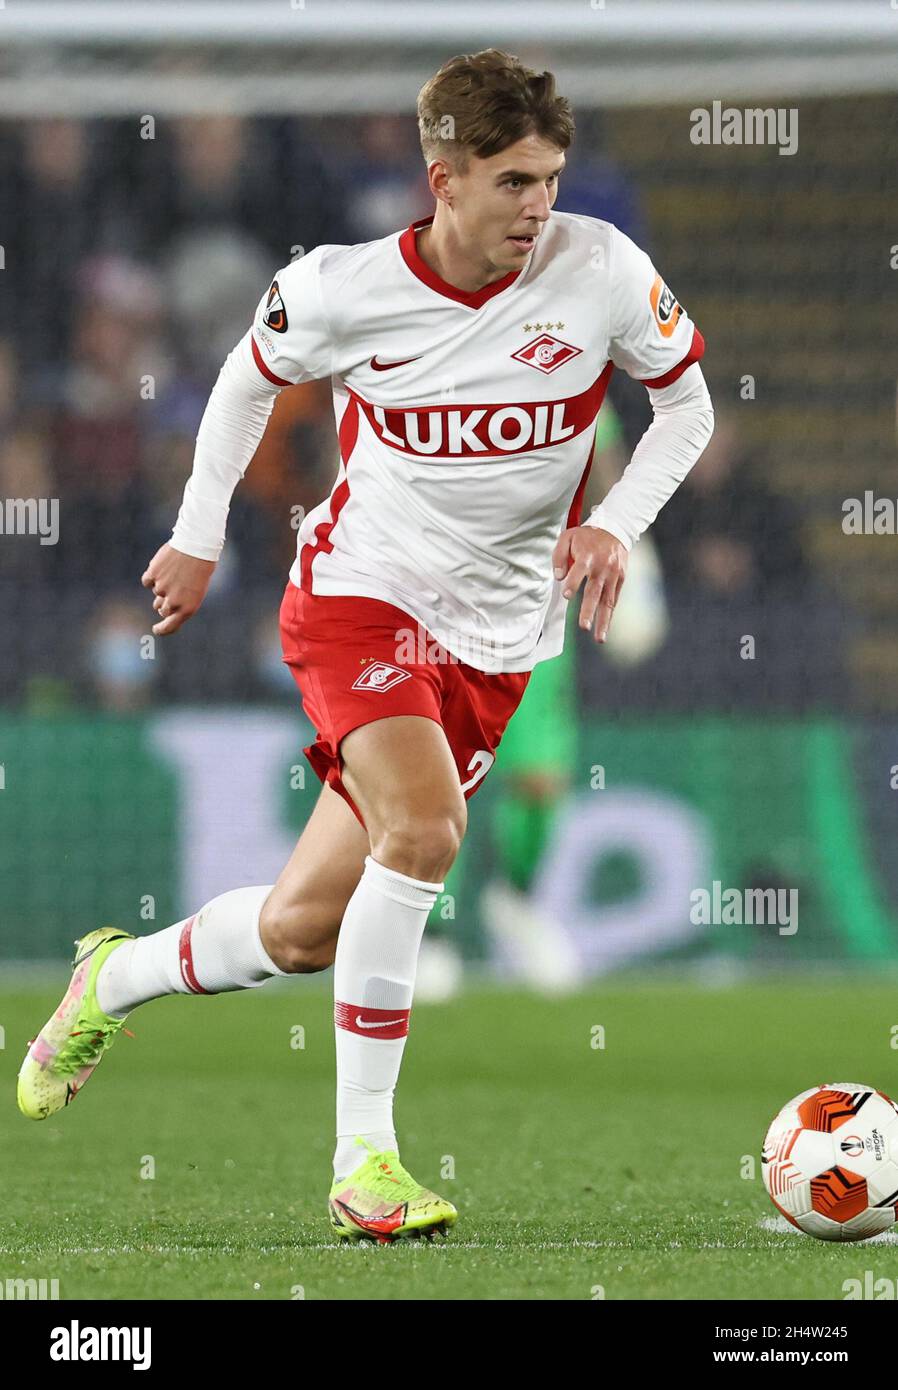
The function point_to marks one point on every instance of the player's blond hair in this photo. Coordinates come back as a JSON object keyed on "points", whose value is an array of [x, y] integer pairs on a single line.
{"points": [[480, 103]]}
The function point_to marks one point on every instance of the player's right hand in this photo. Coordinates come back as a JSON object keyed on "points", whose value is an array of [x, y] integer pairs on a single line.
{"points": [[179, 582]]}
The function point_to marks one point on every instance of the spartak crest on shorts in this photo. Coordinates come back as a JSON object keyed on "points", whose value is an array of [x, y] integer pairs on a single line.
{"points": [[380, 675]]}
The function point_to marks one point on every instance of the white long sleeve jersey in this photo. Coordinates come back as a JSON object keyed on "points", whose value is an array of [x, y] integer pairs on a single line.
{"points": [[465, 423]]}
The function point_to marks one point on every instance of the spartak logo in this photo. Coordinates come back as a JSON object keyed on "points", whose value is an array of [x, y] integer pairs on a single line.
{"points": [[546, 353], [380, 676]]}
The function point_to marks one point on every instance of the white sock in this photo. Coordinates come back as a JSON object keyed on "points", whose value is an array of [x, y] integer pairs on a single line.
{"points": [[374, 979], [216, 950]]}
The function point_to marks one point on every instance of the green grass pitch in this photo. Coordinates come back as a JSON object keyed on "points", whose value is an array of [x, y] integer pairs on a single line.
{"points": [[579, 1171]]}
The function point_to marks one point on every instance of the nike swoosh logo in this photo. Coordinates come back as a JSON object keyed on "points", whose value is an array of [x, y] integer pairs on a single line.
{"points": [[387, 366], [79, 960], [360, 1023]]}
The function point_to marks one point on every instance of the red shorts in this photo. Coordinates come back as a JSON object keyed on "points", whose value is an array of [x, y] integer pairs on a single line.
{"points": [[352, 667]]}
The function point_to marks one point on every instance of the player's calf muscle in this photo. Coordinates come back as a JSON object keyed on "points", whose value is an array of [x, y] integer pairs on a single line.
{"points": [[300, 919], [300, 936]]}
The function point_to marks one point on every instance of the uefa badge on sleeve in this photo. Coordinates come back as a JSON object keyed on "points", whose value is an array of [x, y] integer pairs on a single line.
{"points": [[275, 316]]}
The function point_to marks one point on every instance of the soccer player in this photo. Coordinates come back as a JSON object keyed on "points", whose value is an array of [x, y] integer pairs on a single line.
{"points": [[468, 356]]}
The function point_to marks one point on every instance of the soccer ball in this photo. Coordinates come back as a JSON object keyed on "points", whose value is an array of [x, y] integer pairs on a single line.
{"points": [[830, 1161]]}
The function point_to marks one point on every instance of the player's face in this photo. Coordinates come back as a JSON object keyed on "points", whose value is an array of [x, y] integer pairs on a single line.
{"points": [[502, 203]]}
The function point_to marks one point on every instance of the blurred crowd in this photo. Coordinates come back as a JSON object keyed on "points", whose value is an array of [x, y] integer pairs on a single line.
{"points": [[134, 256]]}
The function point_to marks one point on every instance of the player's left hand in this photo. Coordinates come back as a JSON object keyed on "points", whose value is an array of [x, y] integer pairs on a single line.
{"points": [[587, 552]]}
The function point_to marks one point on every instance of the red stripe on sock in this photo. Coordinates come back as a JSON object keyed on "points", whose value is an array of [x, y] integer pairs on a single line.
{"points": [[185, 952], [371, 1023]]}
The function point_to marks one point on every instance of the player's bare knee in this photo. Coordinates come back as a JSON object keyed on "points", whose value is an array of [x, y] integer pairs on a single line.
{"points": [[422, 846]]}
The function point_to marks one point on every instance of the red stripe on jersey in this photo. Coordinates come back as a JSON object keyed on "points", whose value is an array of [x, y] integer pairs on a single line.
{"points": [[371, 1023], [479, 431], [277, 380], [348, 435], [694, 354], [185, 953], [576, 508], [473, 298]]}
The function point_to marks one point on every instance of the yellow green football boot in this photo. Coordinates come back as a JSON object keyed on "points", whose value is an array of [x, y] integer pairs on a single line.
{"points": [[381, 1201], [71, 1043]]}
